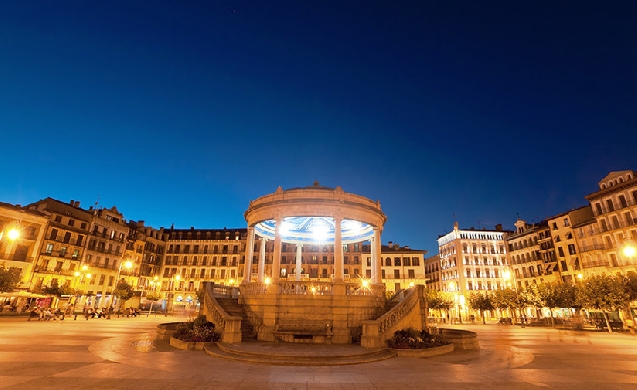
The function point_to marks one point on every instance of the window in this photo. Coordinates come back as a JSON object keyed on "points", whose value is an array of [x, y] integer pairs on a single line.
{"points": [[609, 204], [71, 222], [49, 249], [76, 253], [396, 274], [560, 251], [566, 223], [54, 234], [58, 219], [554, 225], [397, 261], [411, 273], [63, 251], [415, 261], [571, 249]]}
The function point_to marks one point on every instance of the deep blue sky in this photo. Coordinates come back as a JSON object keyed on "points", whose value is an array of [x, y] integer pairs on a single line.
{"points": [[182, 112]]}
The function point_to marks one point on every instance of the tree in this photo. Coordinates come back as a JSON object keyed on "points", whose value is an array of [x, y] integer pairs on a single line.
{"points": [[9, 279], [605, 293], [554, 295], [57, 290], [505, 299], [481, 302], [123, 290], [438, 300], [630, 287]]}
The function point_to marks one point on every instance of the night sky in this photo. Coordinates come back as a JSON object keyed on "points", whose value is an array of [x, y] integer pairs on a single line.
{"points": [[182, 112]]}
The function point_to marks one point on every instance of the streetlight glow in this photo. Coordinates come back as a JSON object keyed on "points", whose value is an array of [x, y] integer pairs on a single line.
{"points": [[630, 251], [13, 234]]}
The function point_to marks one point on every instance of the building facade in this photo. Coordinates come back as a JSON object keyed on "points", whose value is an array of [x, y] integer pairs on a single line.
{"points": [[473, 261], [22, 233]]}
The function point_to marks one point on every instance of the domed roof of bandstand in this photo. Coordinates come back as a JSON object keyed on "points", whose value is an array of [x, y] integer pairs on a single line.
{"points": [[308, 215]]}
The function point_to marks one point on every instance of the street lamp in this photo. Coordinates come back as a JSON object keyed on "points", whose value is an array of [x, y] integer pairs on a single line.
{"points": [[153, 284], [176, 278], [79, 275], [13, 234], [128, 265], [629, 251]]}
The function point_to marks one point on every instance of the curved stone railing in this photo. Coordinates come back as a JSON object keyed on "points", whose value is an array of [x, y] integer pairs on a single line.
{"points": [[408, 313], [229, 326], [305, 288], [220, 290], [254, 319], [254, 288]]}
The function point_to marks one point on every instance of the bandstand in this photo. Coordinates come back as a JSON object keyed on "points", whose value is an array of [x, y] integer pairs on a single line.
{"points": [[292, 306]]}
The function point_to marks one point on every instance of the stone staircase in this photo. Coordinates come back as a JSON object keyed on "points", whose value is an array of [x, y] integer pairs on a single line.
{"points": [[389, 304], [233, 308]]}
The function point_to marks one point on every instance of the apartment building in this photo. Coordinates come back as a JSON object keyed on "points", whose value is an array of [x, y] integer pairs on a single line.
{"points": [[64, 242], [614, 208], [21, 235]]}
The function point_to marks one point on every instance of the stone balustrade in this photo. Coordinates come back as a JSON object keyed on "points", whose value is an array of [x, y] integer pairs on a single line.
{"points": [[229, 326], [408, 313]]}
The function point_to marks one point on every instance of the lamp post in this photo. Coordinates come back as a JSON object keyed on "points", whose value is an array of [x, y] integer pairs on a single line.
{"points": [[153, 283], [174, 279], [79, 278], [128, 265]]}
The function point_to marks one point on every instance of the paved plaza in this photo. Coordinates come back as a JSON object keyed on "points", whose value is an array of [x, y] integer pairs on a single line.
{"points": [[122, 353]]}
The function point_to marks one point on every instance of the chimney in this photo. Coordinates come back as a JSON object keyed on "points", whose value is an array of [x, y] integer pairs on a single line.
{"points": [[141, 223], [77, 204], [498, 227], [390, 244], [406, 246], [72, 202]]}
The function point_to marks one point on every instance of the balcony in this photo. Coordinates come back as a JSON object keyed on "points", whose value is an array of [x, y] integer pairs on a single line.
{"points": [[616, 206], [593, 247]]}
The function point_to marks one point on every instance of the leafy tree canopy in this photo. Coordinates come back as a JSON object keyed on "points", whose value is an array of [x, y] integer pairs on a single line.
{"points": [[9, 279], [603, 292], [123, 290]]}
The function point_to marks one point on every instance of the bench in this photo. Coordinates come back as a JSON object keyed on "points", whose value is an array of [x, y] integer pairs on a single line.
{"points": [[505, 321], [303, 333]]}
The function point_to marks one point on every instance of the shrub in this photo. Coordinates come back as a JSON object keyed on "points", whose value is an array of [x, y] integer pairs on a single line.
{"points": [[196, 331], [412, 339]]}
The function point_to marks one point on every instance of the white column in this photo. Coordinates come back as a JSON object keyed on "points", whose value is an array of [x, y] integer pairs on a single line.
{"points": [[338, 250], [261, 269], [299, 257], [276, 260], [378, 260], [372, 262], [247, 271]]}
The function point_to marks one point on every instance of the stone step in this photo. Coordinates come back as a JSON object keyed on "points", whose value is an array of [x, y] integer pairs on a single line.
{"points": [[233, 308], [243, 353]]}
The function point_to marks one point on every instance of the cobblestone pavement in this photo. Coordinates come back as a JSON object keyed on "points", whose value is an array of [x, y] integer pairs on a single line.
{"points": [[122, 353]]}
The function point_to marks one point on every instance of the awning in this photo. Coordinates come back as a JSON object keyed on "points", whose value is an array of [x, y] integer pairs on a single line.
{"points": [[22, 294]]}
